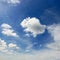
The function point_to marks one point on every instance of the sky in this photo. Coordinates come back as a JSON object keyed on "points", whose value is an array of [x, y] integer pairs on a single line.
{"points": [[29, 30]]}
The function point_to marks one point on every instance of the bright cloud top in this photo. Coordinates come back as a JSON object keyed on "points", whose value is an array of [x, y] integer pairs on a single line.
{"points": [[32, 26], [7, 30]]}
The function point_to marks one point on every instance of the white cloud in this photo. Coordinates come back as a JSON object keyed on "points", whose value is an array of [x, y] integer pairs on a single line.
{"points": [[13, 46], [54, 30], [13, 1], [8, 48], [6, 26], [42, 55], [3, 45], [45, 54], [7, 30], [33, 26]]}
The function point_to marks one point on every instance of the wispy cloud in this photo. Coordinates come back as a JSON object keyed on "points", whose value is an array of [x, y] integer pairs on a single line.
{"points": [[54, 30], [42, 55], [13, 2]]}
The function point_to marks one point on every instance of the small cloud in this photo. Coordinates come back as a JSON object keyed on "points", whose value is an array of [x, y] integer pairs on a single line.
{"points": [[7, 30], [6, 26], [13, 1], [3, 45], [27, 35], [13, 46], [32, 26], [29, 48]]}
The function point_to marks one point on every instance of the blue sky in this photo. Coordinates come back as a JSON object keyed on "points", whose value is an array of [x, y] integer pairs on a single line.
{"points": [[29, 30]]}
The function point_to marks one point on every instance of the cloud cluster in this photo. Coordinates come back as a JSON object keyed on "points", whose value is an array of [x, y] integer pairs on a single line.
{"points": [[45, 54], [7, 30], [7, 48], [32, 26], [53, 52]]}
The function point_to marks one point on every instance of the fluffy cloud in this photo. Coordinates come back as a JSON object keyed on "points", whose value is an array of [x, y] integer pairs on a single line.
{"points": [[32, 26], [3, 45], [7, 30], [7, 48]]}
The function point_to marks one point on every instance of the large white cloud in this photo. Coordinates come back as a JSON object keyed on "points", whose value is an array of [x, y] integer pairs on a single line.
{"points": [[33, 26], [7, 30]]}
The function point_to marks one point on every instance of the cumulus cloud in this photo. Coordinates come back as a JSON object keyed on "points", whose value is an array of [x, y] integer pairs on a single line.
{"points": [[3, 45], [8, 48], [7, 30], [32, 26]]}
